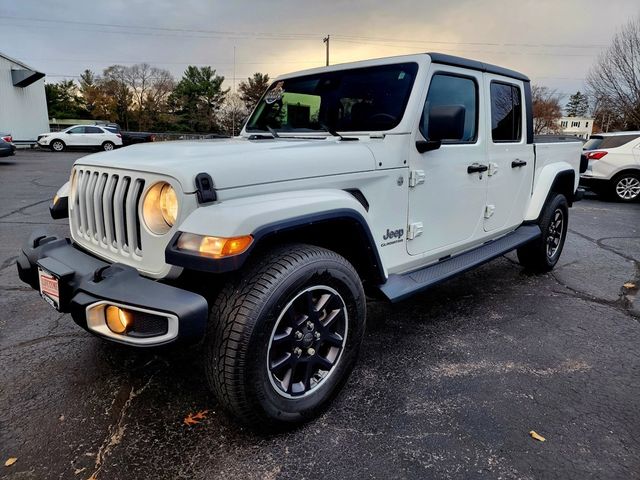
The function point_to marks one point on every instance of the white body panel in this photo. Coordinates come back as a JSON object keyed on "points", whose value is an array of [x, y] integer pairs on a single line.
{"points": [[624, 157], [271, 180]]}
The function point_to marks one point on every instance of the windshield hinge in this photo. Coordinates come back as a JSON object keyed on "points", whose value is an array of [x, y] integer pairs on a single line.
{"points": [[204, 188], [416, 177]]}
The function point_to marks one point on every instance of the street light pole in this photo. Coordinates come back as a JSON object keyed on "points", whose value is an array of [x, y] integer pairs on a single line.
{"points": [[326, 40]]}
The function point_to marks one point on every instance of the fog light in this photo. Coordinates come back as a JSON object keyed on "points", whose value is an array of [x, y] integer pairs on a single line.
{"points": [[118, 319]]}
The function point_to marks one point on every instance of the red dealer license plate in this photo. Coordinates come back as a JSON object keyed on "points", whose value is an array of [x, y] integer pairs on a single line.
{"points": [[49, 288]]}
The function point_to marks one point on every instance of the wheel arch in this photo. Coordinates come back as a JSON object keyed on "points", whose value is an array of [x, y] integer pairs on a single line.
{"points": [[635, 170], [332, 219], [555, 178]]}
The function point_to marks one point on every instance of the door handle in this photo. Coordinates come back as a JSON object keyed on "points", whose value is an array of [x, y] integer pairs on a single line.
{"points": [[477, 168], [518, 163]]}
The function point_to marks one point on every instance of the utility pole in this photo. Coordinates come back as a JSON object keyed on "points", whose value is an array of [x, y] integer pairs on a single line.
{"points": [[326, 40], [233, 108]]}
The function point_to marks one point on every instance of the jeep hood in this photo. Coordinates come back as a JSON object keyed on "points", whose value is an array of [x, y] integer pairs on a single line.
{"points": [[239, 162]]}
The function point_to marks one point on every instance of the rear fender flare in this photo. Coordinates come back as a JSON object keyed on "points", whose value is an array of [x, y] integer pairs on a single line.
{"points": [[551, 178]]}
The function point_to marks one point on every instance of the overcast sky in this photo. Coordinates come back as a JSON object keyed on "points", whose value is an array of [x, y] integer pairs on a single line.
{"points": [[554, 42]]}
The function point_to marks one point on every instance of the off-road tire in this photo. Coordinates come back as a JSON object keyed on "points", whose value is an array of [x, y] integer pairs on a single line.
{"points": [[243, 319], [535, 255]]}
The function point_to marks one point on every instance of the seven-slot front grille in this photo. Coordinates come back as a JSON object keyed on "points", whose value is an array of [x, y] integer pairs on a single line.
{"points": [[104, 210]]}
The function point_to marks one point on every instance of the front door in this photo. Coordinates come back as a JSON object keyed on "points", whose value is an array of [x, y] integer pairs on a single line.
{"points": [[510, 158], [448, 205], [75, 137]]}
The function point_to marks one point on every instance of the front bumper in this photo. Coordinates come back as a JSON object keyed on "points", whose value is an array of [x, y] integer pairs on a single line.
{"points": [[85, 281]]}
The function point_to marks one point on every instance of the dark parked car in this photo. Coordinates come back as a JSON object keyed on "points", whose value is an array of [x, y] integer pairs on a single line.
{"points": [[6, 149], [129, 138]]}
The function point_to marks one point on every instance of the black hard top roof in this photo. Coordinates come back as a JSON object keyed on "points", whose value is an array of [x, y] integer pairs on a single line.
{"points": [[475, 65]]}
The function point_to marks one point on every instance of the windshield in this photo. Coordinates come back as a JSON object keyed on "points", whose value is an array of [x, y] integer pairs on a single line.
{"points": [[613, 141], [362, 99]]}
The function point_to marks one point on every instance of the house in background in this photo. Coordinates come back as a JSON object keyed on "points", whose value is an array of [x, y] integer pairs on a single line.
{"points": [[577, 126], [23, 104]]}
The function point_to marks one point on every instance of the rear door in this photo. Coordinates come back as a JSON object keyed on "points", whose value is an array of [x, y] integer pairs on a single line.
{"points": [[94, 136], [510, 158], [447, 201]]}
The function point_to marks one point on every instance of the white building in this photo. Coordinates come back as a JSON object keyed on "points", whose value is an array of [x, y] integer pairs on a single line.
{"points": [[577, 126], [23, 105]]}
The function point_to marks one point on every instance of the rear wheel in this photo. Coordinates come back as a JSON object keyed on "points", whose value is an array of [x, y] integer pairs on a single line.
{"points": [[626, 187], [57, 145], [542, 254], [108, 146], [284, 337]]}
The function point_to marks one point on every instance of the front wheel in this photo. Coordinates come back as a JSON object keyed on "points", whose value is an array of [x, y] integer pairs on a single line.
{"points": [[542, 254], [284, 337], [626, 187]]}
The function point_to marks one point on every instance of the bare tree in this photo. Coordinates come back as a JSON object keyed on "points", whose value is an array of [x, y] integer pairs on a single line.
{"points": [[149, 87], [615, 78], [232, 114], [546, 110]]}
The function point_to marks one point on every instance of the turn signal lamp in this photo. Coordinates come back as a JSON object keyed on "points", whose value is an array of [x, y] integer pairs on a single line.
{"points": [[118, 319], [214, 247]]}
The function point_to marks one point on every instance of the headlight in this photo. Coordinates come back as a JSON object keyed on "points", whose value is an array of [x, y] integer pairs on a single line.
{"points": [[160, 208]]}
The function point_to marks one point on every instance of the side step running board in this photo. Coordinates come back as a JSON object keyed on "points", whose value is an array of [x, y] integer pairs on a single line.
{"points": [[402, 286]]}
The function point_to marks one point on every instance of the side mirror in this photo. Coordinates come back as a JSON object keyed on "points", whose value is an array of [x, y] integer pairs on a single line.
{"points": [[69, 132], [445, 122], [427, 145]]}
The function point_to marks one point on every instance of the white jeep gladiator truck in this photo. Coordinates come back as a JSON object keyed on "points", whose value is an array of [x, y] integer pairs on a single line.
{"points": [[383, 176]]}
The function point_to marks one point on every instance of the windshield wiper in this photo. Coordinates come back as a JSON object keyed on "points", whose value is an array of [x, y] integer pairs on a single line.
{"points": [[273, 132], [332, 132]]}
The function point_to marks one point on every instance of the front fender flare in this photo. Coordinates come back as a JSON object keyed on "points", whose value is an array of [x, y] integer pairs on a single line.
{"points": [[262, 215]]}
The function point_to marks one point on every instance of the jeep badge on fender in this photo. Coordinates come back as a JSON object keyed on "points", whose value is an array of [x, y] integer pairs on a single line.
{"points": [[286, 222]]}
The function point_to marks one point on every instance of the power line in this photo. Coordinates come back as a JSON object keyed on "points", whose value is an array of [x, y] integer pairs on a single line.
{"points": [[495, 52], [283, 36]]}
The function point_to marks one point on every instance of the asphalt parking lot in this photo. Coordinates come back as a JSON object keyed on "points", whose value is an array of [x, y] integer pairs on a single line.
{"points": [[449, 383]]}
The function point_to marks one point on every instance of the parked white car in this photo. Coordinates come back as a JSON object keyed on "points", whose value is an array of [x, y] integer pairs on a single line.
{"points": [[81, 136], [386, 176], [614, 165]]}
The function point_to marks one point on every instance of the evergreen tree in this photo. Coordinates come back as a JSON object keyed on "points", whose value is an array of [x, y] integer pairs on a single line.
{"points": [[251, 90], [197, 98], [578, 105]]}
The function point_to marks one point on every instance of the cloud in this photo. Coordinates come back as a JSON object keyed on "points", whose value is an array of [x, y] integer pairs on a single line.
{"points": [[555, 43]]}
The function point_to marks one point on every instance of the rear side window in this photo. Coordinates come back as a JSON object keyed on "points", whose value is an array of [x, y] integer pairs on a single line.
{"points": [[92, 130], [613, 141], [506, 112], [452, 91]]}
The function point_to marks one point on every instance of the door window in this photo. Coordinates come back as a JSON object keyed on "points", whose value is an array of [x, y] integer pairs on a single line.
{"points": [[506, 112], [76, 130], [92, 130], [452, 91]]}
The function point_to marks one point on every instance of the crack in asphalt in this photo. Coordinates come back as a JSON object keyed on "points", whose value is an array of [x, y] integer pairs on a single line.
{"points": [[116, 431], [45, 338], [598, 241], [624, 303], [36, 182], [8, 262], [23, 208]]}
